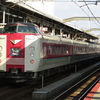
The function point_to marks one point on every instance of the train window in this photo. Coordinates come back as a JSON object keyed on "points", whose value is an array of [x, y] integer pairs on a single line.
{"points": [[57, 49], [50, 48], [83, 49], [61, 49], [66, 50], [45, 50], [27, 29], [53, 48], [15, 52], [0, 30], [9, 29], [71, 50], [74, 50], [38, 30]]}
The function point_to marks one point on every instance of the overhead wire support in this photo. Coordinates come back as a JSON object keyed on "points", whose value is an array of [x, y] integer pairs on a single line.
{"points": [[91, 12], [81, 8], [85, 12]]}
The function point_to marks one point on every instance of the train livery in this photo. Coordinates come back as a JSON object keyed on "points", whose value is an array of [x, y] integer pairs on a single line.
{"points": [[25, 52]]}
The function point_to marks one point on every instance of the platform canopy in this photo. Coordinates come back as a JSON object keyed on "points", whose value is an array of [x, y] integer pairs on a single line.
{"points": [[80, 18], [20, 11], [57, 0]]}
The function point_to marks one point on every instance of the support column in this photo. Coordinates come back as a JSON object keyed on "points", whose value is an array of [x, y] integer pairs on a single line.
{"points": [[69, 36], [4, 10], [12, 19], [3, 16], [53, 31], [61, 32], [41, 27]]}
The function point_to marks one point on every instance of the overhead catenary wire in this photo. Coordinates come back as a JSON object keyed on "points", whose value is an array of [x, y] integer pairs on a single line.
{"points": [[87, 14], [91, 11]]}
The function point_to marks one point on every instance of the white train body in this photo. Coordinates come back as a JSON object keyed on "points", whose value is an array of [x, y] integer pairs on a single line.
{"points": [[25, 55]]}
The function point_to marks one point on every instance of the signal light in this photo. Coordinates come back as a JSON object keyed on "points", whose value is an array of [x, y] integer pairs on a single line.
{"points": [[32, 61]]}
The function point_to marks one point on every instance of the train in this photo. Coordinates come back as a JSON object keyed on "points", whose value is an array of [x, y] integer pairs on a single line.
{"points": [[26, 52]]}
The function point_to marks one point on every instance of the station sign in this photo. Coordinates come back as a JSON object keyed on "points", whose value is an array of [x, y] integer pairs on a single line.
{"points": [[45, 29]]}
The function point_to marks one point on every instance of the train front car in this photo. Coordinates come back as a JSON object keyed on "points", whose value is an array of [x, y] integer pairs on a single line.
{"points": [[19, 44]]}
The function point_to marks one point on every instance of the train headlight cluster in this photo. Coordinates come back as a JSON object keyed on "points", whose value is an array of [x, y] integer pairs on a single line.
{"points": [[32, 50]]}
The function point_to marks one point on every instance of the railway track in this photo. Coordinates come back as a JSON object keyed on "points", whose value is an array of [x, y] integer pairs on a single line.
{"points": [[89, 88], [16, 93], [81, 88]]}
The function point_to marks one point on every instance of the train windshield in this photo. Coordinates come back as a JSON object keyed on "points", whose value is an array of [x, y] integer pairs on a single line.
{"points": [[21, 29], [27, 29], [9, 29]]}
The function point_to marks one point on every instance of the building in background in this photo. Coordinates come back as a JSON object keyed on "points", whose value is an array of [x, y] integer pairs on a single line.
{"points": [[44, 6]]}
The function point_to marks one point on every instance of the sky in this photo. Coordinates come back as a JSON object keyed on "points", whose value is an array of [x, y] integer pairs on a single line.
{"points": [[65, 10]]}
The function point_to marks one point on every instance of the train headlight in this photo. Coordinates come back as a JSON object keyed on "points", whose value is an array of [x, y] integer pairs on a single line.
{"points": [[32, 61], [0, 54], [32, 54], [1, 48]]}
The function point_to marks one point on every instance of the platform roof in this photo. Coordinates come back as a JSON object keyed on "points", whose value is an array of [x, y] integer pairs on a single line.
{"points": [[21, 9], [80, 18]]}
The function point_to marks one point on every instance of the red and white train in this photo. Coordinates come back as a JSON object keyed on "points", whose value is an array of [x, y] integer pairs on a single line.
{"points": [[25, 52]]}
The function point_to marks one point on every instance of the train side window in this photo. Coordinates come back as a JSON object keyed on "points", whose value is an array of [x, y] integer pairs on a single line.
{"points": [[62, 50], [57, 50], [49, 50], [74, 50], [52, 49], [44, 51], [67, 50]]}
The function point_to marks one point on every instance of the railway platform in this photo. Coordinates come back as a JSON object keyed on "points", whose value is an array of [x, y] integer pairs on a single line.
{"points": [[55, 88], [94, 94]]}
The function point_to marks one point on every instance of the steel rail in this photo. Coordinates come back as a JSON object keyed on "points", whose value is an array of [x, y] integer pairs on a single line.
{"points": [[82, 96], [75, 84]]}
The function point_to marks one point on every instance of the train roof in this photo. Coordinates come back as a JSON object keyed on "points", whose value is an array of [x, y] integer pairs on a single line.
{"points": [[20, 23]]}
